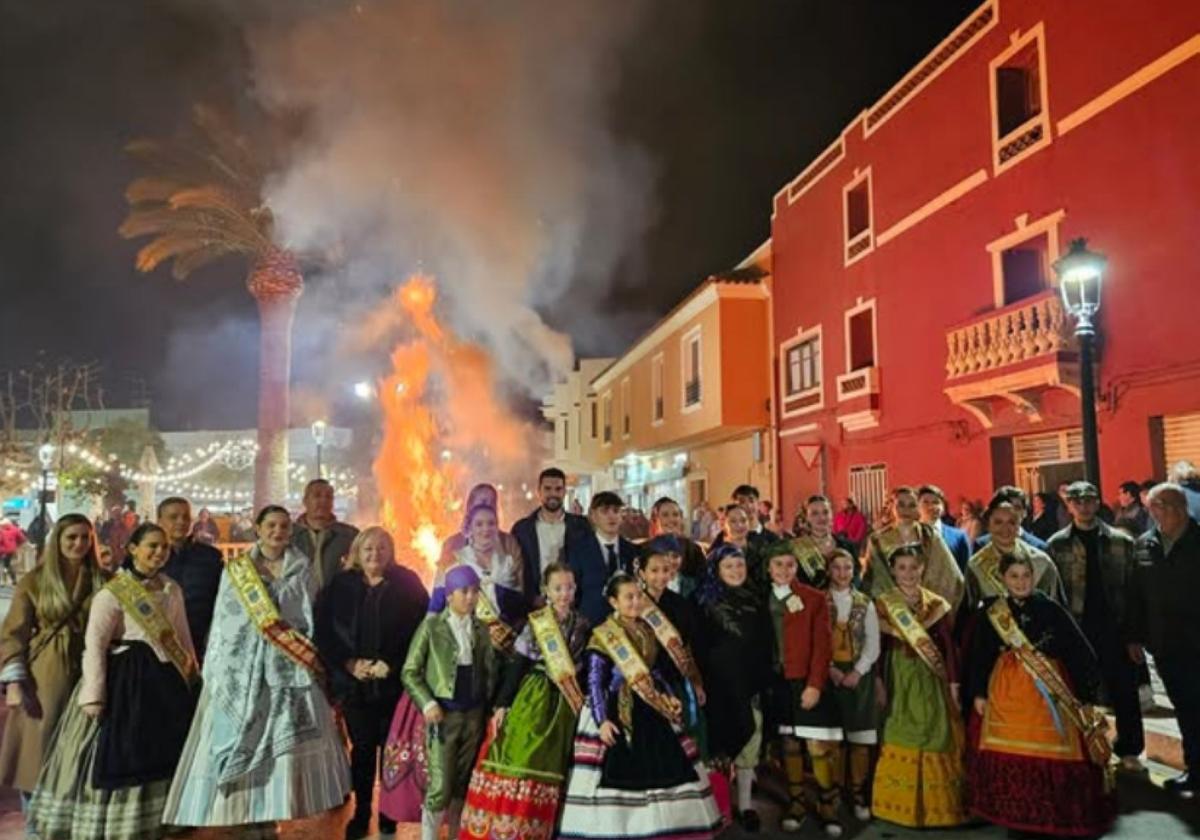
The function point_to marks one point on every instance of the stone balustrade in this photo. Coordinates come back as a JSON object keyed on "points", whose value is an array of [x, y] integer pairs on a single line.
{"points": [[1024, 330]]}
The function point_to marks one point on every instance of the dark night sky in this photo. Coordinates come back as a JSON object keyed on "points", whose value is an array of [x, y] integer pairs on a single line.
{"points": [[730, 101]]}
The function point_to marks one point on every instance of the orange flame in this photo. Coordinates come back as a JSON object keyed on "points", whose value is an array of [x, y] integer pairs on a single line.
{"points": [[421, 467]]}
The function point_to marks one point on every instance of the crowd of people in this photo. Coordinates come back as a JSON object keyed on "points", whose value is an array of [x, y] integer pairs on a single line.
{"points": [[561, 680]]}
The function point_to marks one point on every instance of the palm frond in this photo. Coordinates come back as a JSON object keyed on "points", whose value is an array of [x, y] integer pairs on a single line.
{"points": [[168, 245]]}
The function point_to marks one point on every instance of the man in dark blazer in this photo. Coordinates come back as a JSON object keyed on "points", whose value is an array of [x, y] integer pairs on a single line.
{"points": [[932, 503], [599, 554], [546, 532]]}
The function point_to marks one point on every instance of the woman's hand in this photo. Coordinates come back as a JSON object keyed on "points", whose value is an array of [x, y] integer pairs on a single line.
{"points": [[851, 679], [435, 715], [810, 697], [379, 670], [92, 710], [609, 733], [980, 706]]}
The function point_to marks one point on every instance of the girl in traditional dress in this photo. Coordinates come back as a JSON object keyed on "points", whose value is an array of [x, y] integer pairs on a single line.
{"points": [[919, 777], [263, 746], [676, 622], [41, 646], [800, 709], [366, 618], [737, 660], [517, 785], [942, 574], [116, 746], [855, 626], [635, 774], [814, 547], [498, 564], [1042, 755], [984, 579]]}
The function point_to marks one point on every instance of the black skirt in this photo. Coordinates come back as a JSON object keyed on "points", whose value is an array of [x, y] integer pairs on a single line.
{"points": [[147, 714], [652, 759]]}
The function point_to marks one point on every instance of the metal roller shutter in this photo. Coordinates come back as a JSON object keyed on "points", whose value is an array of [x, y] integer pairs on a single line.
{"points": [[1181, 438]]}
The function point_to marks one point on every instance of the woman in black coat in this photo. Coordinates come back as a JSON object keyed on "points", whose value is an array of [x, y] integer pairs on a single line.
{"points": [[365, 620]]}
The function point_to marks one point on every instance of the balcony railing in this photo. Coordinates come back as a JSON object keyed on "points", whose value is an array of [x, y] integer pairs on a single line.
{"points": [[858, 383], [1024, 330], [691, 393]]}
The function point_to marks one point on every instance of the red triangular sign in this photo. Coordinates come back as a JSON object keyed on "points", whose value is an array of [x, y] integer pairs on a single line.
{"points": [[809, 453]]}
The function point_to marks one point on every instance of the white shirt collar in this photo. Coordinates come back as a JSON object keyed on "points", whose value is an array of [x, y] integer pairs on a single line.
{"points": [[781, 592]]}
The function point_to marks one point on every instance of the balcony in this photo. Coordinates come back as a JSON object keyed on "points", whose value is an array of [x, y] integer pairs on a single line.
{"points": [[858, 399], [1011, 355]]}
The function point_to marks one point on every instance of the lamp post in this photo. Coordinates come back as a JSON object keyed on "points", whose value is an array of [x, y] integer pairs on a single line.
{"points": [[46, 458], [318, 433], [1080, 273]]}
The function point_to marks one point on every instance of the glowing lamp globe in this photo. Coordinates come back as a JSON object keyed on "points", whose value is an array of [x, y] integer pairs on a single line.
{"points": [[1080, 273]]}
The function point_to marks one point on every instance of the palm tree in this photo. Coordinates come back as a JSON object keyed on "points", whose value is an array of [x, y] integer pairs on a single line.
{"points": [[200, 199]]}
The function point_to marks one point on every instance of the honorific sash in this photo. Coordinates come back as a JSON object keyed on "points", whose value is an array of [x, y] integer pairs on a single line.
{"points": [[673, 643], [611, 640], [906, 626], [560, 667], [137, 603]]}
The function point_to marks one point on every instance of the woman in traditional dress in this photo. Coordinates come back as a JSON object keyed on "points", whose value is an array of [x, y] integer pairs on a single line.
{"points": [[517, 785], [919, 777], [737, 662], [813, 548], [855, 650], [1034, 677], [498, 563], [942, 574], [263, 746], [984, 578], [114, 751], [366, 618], [41, 646], [635, 774], [488, 496]]}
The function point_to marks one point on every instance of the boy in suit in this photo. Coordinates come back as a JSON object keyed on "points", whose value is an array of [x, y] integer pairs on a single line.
{"points": [[450, 673], [599, 554]]}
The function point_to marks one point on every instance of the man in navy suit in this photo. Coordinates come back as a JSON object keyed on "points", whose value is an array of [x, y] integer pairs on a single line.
{"points": [[599, 554], [546, 532], [1016, 497], [932, 503]]}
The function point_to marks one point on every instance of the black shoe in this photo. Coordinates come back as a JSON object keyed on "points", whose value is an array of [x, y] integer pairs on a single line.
{"points": [[749, 820], [358, 828], [1185, 784], [386, 826]]}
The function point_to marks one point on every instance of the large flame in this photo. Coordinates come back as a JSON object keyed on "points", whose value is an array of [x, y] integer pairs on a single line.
{"points": [[430, 439]]}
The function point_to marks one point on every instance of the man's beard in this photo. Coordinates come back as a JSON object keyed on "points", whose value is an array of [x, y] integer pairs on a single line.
{"points": [[553, 504]]}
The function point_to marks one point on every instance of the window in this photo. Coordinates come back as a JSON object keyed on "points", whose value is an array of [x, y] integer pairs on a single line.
{"points": [[595, 419], [1024, 268], [856, 205], [1020, 112], [868, 486], [691, 369], [626, 408], [566, 426], [861, 339], [803, 367], [607, 419], [656, 388]]}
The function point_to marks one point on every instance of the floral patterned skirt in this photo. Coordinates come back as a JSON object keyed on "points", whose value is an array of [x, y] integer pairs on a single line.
{"points": [[404, 775]]}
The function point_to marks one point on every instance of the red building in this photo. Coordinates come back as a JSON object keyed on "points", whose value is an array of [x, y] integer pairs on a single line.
{"points": [[919, 334]]}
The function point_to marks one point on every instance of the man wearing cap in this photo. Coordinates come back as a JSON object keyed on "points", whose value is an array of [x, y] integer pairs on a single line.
{"points": [[1095, 562], [1164, 615]]}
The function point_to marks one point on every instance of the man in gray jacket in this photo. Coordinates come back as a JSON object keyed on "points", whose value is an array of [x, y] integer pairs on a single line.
{"points": [[320, 535]]}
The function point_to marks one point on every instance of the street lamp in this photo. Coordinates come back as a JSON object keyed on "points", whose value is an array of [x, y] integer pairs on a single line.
{"points": [[363, 390], [318, 433], [1080, 273], [46, 457]]}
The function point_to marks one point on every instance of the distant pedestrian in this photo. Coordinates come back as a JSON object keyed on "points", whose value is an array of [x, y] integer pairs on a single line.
{"points": [[851, 524], [11, 540]]}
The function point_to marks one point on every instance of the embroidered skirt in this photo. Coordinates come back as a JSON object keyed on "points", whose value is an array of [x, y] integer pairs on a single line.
{"points": [[654, 787], [404, 772], [65, 804], [1026, 757], [146, 719], [919, 778], [311, 777], [516, 787]]}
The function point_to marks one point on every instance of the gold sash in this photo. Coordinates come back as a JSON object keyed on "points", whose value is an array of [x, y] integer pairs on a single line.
{"points": [[556, 653], [809, 558], [610, 638], [672, 642], [135, 600], [1090, 723], [912, 631], [256, 600]]}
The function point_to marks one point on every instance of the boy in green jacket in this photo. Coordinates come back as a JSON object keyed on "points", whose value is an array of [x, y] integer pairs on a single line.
{"points": [[450, 674]]}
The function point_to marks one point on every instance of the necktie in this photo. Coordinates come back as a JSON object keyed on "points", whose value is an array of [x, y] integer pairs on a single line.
{"points": [[613, 561]]}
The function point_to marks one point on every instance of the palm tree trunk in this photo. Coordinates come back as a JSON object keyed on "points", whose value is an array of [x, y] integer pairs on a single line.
{"points": [[276, 284]]}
